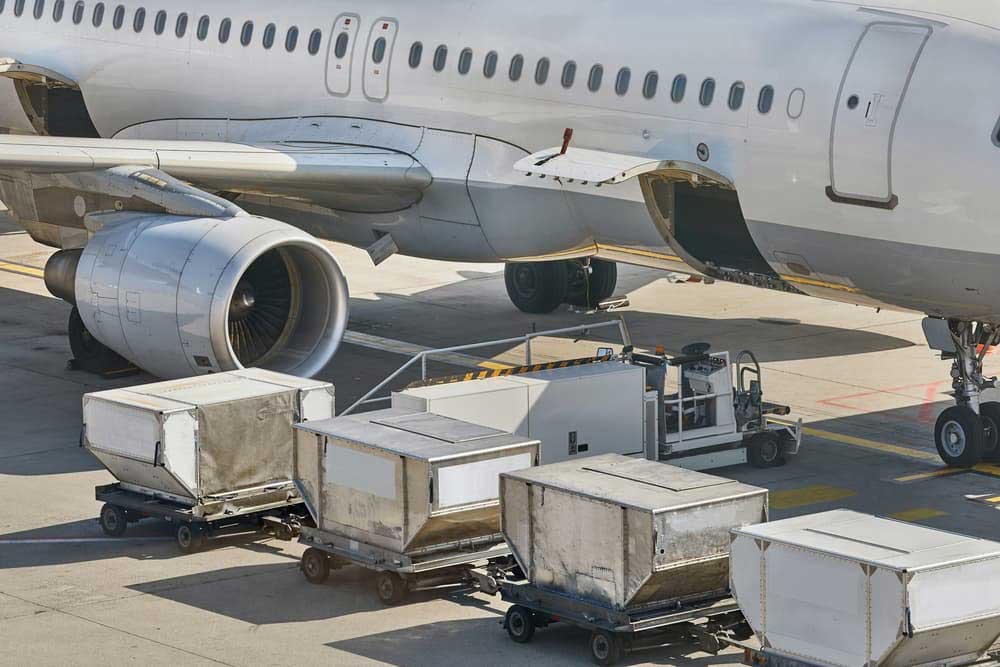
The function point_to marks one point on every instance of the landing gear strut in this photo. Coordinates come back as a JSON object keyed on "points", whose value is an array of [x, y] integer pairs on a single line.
{"points": [[541, 287], [969, 431]]}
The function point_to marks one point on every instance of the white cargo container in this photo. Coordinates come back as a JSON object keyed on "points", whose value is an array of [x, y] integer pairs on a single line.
{"points": [[406, 482], [207, 442], [846, 589], [574, 412], [624, 533]]}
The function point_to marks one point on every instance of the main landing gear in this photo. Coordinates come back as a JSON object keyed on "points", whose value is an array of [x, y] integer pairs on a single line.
{"points": [[541, 287], [969, 431], [89, 354]]}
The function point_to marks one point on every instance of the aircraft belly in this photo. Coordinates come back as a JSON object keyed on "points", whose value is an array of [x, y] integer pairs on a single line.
{"points": [[937, 281]]}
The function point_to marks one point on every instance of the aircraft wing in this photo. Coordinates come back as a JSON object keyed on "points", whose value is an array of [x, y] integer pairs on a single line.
{"points": [[340, 176]]}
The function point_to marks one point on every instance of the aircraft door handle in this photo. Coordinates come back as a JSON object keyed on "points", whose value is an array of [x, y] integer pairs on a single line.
{"points": [[871, 111]]}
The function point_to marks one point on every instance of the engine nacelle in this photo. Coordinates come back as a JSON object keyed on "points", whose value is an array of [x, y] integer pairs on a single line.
{"points": [[180, 296]]}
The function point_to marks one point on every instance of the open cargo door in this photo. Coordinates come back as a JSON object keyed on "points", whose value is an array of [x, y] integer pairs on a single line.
{"points": [[695, 209], [51, 101]]}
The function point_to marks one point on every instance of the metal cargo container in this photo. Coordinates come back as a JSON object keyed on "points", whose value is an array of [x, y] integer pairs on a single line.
{"points": [[625, 533], [204, 441], [843, 588], [574, 412], [405, 482]]}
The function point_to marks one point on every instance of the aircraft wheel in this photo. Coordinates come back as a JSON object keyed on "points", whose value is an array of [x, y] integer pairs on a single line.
{"points": [[536, 287], [89, 353], [958, 435], [589, 288], [989, 413]]}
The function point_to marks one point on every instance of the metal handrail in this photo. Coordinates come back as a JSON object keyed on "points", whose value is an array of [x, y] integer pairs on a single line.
{"points": [[526, 339]]}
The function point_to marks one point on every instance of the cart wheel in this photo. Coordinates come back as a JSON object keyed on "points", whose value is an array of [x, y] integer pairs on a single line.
{"points": [[189, 537], [390, 587], [113, 520], [605, 647], [520, 624], [315, 565], [764, 450]]}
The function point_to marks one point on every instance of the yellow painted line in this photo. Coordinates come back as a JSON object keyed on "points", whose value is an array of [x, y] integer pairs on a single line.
{"points": [[22, 269], [494, 365], [918, 514], [884, 447], [807, 495], [943, 472], [994, 499], [819, 283]]}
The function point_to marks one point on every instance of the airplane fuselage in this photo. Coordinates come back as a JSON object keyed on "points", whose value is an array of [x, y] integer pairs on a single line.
{"points": [[865, 175]]}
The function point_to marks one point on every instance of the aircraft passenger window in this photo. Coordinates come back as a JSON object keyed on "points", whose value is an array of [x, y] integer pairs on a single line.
{"points": [[707, 92], [378, 51], [416, 53], [340, 46], [246, 35], [57, 10], [182, 24], [225, 27], [465, 61], [542, 71], [736, 95], [594, 80], [622, 80], [160, 22], [78, 12], [765, 99], [568, 74], [315, 39], [516, 67], [2, 4], [139, 20], [96, 19], [291, 39], [490, 64], [118, 18], [440, 58], [678, 87], [650, 84], [269, 35], [40, 8], [202, 31], [18, 7]]}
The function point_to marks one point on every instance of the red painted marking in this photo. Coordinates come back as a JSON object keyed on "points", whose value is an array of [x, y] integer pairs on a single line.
{"points": [[925, 412]]}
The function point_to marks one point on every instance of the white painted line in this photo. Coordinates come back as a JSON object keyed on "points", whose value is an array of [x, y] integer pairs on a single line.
{"points": [[82, 540], [409, 349]]}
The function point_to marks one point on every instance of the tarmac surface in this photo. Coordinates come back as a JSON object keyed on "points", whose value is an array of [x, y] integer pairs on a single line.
{"points": [[864, 382]]}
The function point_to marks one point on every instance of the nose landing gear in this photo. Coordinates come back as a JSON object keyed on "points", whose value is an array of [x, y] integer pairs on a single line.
{"points": [[969, 431]]}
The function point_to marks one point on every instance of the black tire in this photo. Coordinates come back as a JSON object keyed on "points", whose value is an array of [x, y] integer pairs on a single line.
{"points": [[113, 520], [189, 537], [536, 287], [606, 647], [764, 450], [520, 624], [315, 565], [958, 436], [390, 588], [989, 414], [589, 288], [89, 353]]}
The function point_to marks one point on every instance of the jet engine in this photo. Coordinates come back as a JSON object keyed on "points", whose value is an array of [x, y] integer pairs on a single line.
{"points": [[180, 295]]}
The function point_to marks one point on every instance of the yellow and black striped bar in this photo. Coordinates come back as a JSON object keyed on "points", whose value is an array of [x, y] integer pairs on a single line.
{"points": [[503, 372]]}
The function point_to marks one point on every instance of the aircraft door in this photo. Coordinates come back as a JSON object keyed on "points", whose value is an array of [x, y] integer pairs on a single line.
{"points": [[378, 58], [871, 95], [340, 54]]}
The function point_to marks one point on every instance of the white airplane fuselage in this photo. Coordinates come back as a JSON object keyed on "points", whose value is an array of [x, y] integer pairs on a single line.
{"points": [[885, 199]]}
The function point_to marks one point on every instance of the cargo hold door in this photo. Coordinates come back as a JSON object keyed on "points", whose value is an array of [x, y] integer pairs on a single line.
{"points": [[864, 120]]}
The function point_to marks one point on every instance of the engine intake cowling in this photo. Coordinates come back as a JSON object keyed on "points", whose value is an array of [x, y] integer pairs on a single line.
{"points": [[180, 296]]}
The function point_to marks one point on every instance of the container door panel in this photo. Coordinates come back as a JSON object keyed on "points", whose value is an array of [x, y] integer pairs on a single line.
{"points": [[341, 54]]}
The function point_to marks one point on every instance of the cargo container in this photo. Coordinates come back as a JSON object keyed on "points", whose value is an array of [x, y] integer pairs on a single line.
{"points": [[846, 589], [622, 546], [199, 449], [412, 495], [575, 412]]}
